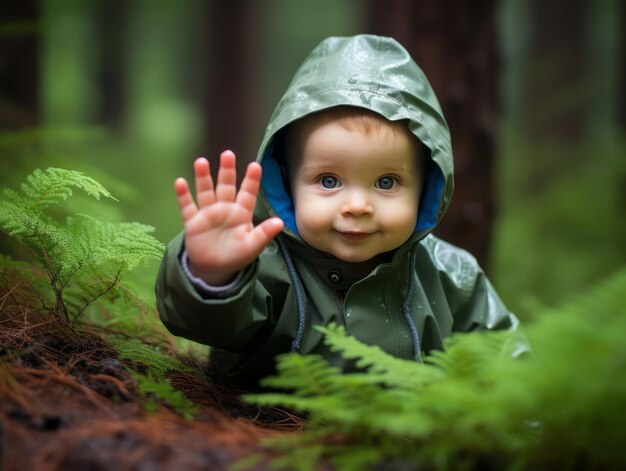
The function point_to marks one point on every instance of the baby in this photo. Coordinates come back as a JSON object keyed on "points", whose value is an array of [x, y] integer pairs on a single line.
{"points": [[331, 224]]}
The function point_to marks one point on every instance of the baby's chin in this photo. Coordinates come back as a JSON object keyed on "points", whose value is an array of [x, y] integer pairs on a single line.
{"points": [[355, 258], [347, 254], [341, 255]]}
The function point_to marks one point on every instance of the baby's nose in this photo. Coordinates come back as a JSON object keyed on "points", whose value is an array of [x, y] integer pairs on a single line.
{"points": [[357, 203]]}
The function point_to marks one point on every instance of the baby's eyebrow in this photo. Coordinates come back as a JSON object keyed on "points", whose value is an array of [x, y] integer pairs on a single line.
{"points": [[398, 169], [318, 167]]}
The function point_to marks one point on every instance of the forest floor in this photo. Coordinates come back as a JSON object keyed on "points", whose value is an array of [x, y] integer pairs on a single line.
{"points": [[67, 401]]}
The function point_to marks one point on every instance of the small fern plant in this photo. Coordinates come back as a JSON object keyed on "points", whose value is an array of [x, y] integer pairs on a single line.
{"points": [[149, 366], [83, 258], [475, 406]]}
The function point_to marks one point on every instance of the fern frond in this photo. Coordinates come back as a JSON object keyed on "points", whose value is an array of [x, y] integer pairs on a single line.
{"points": [[53, 185], [83, 257], [162, 390], [561, 406], [30, 226], [582, 355], [382, 367], [126, 244], [158, 362], [293, 369], [149, 367]]}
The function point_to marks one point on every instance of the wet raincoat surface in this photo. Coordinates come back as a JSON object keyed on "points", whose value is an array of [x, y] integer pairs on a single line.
{"points": [[427, 290]]}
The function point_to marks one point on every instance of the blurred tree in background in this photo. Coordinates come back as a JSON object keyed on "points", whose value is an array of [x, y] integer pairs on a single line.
{"points": [[562, 171], [132, 92], [19, 69], [454, 43]]}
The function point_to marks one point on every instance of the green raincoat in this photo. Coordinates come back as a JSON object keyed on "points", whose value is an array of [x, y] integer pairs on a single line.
{"points": [[407, 305]]}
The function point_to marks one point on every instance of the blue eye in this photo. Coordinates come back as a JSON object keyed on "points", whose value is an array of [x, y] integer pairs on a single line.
{"points": [[329, 182], [386, 183]]}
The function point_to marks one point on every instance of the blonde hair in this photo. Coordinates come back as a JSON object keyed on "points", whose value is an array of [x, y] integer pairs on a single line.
{"points": [[351, 118]]}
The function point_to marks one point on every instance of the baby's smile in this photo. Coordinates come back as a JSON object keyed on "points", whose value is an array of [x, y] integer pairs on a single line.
{"points": [[355, 235]]}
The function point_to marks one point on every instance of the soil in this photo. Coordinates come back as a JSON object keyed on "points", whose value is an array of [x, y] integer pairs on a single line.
{"points": [[68, 402]]}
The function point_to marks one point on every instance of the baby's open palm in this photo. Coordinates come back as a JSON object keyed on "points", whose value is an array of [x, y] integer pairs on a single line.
{"points": [[220, 237]]}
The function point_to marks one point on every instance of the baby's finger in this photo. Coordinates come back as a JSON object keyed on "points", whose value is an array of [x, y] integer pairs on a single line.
{"points": [[226, 177], [187, 206], [250, 187], [265, 232], [204, 183]]}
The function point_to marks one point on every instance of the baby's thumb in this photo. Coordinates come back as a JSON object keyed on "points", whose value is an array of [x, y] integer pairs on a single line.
{"points": [[266, 231]]}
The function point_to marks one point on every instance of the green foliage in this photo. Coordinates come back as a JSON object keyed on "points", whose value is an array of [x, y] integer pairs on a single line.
{"points": [[155, 360], [562, 221], [474, 405], [163, 391], [83, 258], [149, 367]]}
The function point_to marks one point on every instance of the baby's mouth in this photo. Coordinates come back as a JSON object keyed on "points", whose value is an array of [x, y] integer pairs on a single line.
{"points": [[354, 235]]}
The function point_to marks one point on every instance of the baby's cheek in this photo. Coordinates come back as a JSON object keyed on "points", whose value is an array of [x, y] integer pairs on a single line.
{"points": [[311, 233], [402, 221], [313, 223]]}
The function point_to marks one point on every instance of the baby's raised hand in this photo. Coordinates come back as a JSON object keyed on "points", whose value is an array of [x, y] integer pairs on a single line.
{"points": [[220, 238]]}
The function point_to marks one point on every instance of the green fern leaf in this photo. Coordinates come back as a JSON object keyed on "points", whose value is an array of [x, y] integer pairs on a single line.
{"points": [[158, 362], [163, 391], [149, 367], [84, 258], [382, 367], [53, 185], [561, 406], [295, 368]]}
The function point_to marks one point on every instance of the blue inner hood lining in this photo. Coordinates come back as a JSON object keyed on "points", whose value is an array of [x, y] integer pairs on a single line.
{"points": [[282, 204]]}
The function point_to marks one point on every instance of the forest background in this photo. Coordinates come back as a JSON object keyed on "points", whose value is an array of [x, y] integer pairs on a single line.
{"points": [[131, 92]]}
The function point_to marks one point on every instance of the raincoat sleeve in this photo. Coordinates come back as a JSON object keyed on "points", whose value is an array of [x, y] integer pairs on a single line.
{"points": [[226, 319], [472, 298]]}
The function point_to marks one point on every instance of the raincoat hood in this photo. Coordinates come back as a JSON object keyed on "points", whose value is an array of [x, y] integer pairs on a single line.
{"points": [[372, 72]]}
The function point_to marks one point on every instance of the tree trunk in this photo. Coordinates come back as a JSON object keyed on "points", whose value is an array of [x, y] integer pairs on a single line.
{"points": [[453, 42], [231, 83], [111, 24], [555, 89], [19, 64]]}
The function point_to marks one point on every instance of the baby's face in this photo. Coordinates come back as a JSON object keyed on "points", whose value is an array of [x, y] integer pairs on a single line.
{"points": [[356, 194]]}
